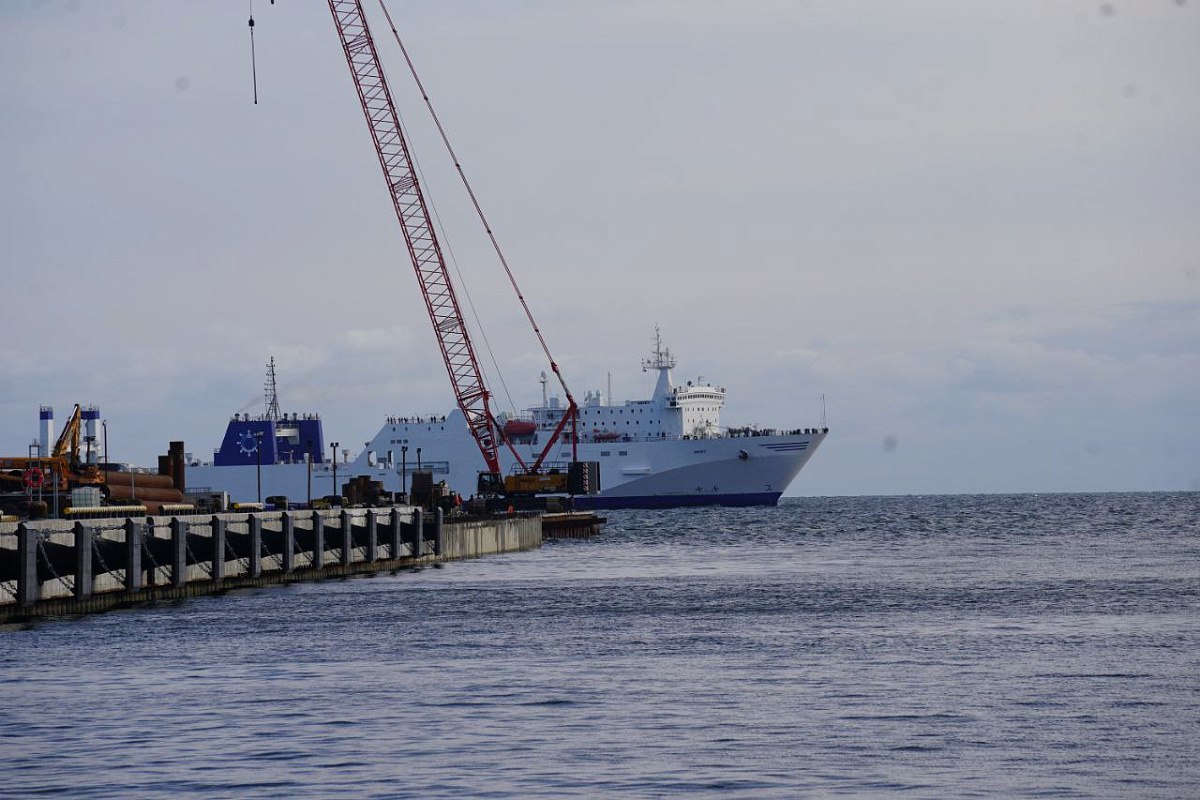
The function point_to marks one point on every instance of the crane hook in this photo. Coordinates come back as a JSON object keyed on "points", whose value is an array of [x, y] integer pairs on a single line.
{"points": [[253, 60]]}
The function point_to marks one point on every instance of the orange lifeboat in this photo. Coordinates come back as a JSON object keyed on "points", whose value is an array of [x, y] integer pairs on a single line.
{"points": [[605, 436], [515, 428]]}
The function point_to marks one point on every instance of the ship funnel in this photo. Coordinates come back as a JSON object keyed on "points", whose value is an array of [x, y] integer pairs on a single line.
{"points": [[46, 430]]}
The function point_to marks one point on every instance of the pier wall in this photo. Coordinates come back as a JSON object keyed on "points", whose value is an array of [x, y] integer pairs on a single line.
{"points": [[54, 567]]}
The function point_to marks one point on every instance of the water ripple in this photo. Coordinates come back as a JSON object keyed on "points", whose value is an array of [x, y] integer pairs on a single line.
{"points": [[1039, 646]]}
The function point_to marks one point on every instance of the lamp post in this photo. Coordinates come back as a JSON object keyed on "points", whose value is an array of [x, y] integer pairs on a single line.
{"points": [[334, 446], [309, 459], [404, 471], [418, 459], [104, 428], [258, 439]]}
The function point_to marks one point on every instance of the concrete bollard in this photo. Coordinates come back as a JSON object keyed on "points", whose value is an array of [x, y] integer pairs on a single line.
{"points": [[84, 579], [289, 542], [29, 590], [150, 576], [318, 553], [347, 536], [255, 545], [218, 544], [437, 534], [178, 552], [372, 536], [133, 556], [395, 533], [418, 545]]}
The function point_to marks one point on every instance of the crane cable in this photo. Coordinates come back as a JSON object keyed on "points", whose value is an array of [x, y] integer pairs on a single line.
{"points": [[253, 60], [436, 216], [445, 241], [478, 209], [449, 249]]}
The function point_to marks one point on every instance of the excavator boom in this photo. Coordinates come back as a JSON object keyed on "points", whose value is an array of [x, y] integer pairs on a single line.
{"points": [[67, 446]]}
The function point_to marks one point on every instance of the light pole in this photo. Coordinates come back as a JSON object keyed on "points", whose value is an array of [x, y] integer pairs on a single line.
{"points": [[258, 438], [309, 460], [418, 459], [334, 446], [104, 428], [404, 471]]}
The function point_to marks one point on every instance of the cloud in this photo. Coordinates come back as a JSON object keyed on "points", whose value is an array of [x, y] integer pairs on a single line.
{"points": [[376, 340]]}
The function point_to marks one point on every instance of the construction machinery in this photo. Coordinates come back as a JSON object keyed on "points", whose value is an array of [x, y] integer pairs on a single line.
{"points": [[425, 252], [66, 479], [59, 470]]}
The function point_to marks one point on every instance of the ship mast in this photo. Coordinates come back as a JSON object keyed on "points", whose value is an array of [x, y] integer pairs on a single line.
{"points": [[662, 361], [272, 396], [662, 355]]}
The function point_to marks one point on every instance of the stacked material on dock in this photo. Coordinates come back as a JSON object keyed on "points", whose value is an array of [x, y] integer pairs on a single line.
{"points": [[132, 488]]}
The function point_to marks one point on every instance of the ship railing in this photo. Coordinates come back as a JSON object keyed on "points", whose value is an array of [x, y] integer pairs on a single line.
{"points": [[737, 433], [728, 433]]}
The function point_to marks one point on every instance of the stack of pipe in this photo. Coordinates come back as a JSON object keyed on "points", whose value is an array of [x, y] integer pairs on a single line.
{"points": [[152, 491], [124, 488]]}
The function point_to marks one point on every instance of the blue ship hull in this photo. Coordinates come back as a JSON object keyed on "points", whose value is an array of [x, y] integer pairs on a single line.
{"points": [[599, 502]]}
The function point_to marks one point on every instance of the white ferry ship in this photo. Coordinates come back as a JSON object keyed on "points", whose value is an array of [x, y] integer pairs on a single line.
{"points": [[666, 451]]}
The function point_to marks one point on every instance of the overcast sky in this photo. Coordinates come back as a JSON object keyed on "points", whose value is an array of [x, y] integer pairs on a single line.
{"points": [[973, 227]]}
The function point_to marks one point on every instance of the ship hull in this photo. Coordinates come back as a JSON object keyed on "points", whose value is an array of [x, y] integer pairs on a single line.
{"points": [[654, 473], [602, 502]]}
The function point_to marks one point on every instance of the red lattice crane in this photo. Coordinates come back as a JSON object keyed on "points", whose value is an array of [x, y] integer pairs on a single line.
{"points": [[449, 326]]}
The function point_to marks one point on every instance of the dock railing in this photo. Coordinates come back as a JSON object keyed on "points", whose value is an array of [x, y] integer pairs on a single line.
{"points": [[125, 560]]}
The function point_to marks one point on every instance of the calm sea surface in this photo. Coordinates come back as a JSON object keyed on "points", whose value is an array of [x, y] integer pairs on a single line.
{"points": [[983, 646]]}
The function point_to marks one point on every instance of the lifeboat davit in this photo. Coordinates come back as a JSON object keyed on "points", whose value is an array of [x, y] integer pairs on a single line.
{"points": [[519, 428]]}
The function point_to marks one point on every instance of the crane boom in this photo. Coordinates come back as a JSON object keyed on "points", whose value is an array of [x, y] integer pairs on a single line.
{"points": [[411, 210]]}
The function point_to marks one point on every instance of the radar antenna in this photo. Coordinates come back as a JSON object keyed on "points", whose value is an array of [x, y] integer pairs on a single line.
{"points": [[662, 355]]}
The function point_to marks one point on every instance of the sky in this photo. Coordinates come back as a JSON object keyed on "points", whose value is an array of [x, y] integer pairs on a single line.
{"points": [[972, 228]]}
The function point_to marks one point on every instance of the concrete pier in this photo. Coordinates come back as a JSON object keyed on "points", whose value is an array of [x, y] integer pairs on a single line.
{"points": [[571, 525], [54, 567]]}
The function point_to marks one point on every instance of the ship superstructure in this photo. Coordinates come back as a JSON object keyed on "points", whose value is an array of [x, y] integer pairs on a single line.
{"points": [[273, 437], [672, 412]]}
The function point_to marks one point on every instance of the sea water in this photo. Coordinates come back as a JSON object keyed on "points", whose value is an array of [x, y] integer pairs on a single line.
{"points": [[966, 646]]}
